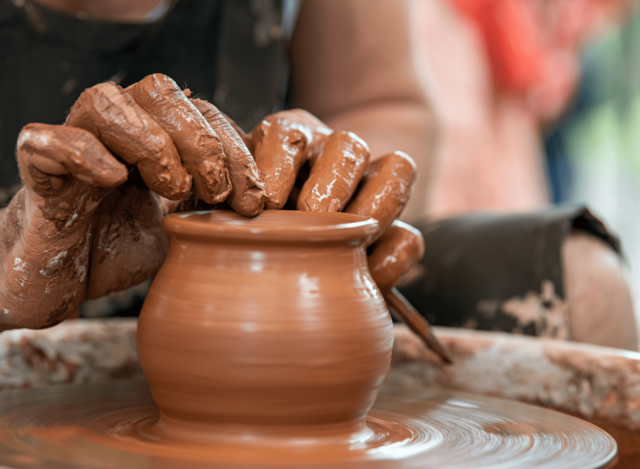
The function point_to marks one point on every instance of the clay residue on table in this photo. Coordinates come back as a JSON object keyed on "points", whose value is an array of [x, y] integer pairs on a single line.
{"points": [[76, 351], [583, 379], [598, 384], [608, 385]]}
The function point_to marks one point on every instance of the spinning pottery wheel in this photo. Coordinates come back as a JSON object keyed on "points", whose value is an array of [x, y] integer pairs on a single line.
{"points": [[107, 426], [265, 343]]}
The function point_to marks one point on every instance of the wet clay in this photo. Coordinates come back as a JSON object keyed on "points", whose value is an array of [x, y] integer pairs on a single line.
{"points": [[110, 426], [246, 138], [77, 231], [58, 151], [335, 174], [126, 129], [247, 194], [385, 190], [319, 131], [395, 253], [280, 330], [46, 248], [198, 144], [282, 142]]}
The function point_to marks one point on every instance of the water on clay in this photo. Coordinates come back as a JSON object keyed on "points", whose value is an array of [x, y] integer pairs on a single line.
{"points": [[111, 426]]}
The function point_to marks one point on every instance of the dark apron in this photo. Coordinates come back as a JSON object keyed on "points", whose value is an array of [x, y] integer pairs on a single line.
{"points": [[499, 272], [230, 52]]}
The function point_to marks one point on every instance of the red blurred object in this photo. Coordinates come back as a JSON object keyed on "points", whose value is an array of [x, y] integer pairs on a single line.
{"points": [[531, 44]]}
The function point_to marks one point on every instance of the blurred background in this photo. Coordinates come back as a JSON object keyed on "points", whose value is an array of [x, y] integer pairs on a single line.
{"points": [[540, 104]]}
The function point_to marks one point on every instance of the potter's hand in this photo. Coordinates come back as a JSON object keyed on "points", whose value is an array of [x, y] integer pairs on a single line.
{"points": [[86, 224], [338, 177]]}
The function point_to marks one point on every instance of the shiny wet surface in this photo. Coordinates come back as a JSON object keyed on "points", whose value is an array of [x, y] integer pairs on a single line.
{"points": [[112, 426]]}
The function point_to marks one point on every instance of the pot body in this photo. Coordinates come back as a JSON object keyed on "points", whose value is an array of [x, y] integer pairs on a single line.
{"points": [[255, 333]]}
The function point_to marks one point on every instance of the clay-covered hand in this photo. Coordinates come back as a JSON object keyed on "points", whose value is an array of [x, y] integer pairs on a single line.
{"points": [[306, 165], [88, 219]]}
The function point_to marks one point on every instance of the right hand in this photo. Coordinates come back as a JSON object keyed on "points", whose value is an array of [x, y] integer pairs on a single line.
{"points": [[85, 224]]}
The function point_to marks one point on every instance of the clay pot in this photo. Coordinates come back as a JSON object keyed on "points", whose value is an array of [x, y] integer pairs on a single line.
{"points": [[265, 326]]}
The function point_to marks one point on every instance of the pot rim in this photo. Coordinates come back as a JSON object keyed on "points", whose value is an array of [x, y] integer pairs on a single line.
{"points": [[271, 225]]}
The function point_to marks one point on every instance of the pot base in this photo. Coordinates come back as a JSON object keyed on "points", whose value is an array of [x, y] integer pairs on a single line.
{"points": [[112, 425]]}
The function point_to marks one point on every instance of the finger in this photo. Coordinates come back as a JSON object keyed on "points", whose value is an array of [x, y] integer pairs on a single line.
{"points": [[110, 114], [398, 250], [246, 138], [196, 141], [335, 175], [279, 151], [282, 143], [52, 150], [247, 194], [319, 131], [385, 190]]}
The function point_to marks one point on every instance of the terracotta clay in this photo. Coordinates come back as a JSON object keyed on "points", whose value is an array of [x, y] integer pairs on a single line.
{"points": [[385, 190], [335, 174], [282, 142], [395, 253], [111, 426], [264, 326], [110, 114], [198, 144], [246, 138], [247, 195], [319, 131]]}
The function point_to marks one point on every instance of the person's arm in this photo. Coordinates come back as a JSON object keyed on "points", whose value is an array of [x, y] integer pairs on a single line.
{"points": [[353, 67]]}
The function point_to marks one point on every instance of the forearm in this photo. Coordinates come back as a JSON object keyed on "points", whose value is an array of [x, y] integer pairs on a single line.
{"points": [[406, 125], [43, 265], [11, 224]]}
